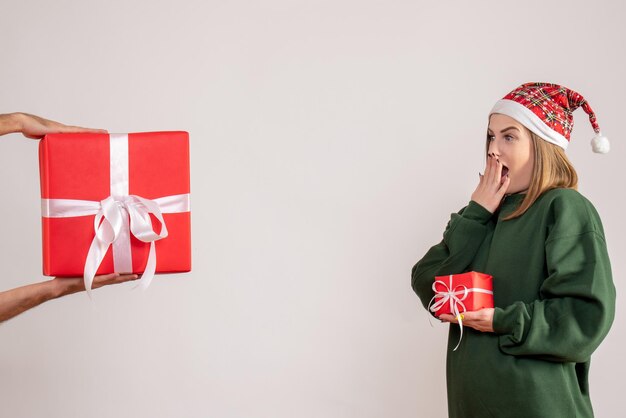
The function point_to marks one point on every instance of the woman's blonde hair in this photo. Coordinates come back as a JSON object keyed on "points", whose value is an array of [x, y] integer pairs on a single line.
{"points": [[551, 169]]}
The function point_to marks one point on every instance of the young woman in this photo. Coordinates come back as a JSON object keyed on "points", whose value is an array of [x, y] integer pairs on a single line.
{"points": [[543, 242]]}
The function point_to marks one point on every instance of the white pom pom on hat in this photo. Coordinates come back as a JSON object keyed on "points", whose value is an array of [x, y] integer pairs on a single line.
{"points": [[600, 144]]}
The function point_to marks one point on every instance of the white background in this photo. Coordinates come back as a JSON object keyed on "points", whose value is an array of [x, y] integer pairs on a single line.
{"points": [[330, 142]]}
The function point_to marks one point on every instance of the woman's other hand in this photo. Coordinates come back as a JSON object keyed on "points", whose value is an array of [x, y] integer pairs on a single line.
{"points": [[481, 320]]}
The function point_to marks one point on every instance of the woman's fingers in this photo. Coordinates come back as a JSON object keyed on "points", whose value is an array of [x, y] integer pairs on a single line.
{"points": [[446, 317], [490, 190], [498, 176], [504, 186], [487, 174], [481, 320], [490, 174], [493, 168], [497, 171], [488, 168]]}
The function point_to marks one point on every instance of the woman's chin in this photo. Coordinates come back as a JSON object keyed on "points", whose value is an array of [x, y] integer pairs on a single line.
{"points": [[516, 189]]}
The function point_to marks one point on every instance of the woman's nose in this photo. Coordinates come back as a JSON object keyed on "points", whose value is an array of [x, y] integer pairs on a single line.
{"points": [[493, 150]]}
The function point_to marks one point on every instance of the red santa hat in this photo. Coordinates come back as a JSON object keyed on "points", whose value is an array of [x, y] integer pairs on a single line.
{"points": [[546, 109]]}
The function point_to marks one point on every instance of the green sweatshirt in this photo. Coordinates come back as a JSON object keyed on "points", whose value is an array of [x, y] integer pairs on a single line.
{"points": [[554, 303]]}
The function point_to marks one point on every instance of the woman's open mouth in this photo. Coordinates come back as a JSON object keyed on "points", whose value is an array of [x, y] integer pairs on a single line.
{"points": [[505, 171]]}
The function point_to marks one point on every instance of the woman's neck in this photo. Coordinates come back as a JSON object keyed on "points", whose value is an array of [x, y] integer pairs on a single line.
{"points": [[520, 192]]}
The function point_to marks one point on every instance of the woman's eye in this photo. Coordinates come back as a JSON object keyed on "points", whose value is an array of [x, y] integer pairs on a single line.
{"points": [[509, 138]]}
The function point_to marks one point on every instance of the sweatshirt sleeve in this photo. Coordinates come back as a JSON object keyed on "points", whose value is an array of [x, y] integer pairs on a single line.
{"points": [[576, 304], [462, 238]]}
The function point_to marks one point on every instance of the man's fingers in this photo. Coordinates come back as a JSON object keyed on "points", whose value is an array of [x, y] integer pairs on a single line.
{"points": [[113, 278], [36, 127], [107, 276], [128, 277], [78, 129], [124, 277]]}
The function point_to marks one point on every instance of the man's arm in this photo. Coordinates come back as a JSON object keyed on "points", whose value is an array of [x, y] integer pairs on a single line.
{"points": [[15, 301], [9, 124]]}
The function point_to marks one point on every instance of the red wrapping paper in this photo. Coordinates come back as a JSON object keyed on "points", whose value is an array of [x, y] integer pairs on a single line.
{"points": [[457, 283], [77, 166]]}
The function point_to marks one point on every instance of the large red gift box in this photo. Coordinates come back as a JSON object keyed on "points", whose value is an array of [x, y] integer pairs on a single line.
{"points": [[86, 178], [458, 293]]}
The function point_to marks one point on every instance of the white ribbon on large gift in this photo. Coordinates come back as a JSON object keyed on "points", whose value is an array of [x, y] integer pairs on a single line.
{"points": [[452, 295], [117, 216]]}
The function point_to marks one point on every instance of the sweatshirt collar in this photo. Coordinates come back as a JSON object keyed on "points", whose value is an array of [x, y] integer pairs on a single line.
{"points": [[513, 198], [509, 203]]}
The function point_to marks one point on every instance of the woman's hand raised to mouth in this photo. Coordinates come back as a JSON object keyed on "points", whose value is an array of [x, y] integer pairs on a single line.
{"points": [[491, 188]]}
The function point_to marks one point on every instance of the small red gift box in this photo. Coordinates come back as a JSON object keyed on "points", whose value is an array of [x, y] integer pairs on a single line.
{"points": [[457, 293], [115, 203]]}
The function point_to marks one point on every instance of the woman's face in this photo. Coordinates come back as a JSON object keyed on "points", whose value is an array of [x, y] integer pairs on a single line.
{"points": [[512, 144]]}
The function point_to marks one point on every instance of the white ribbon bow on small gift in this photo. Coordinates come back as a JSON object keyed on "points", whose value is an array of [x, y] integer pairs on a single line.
{"points": [[451, 295], [117, 216]]}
